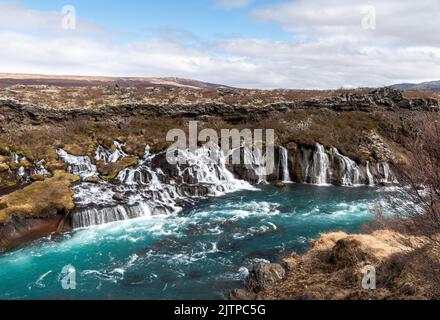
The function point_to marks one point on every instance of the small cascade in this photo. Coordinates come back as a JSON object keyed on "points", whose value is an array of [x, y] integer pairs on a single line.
{"points": [[350, 170], [255, 161], [40, 169], [156, 186], [384, 173], [370, 177], [318, 172], [79, 165], [98, 216], [283, 166], [103, 154], [21, 173], [14, 158]]}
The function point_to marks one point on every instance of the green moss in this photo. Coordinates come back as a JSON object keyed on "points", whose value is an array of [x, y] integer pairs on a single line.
{"points": [[43, 198], [110, 171], [4, 167]]}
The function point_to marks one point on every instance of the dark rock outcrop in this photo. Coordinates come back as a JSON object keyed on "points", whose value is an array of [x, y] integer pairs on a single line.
{"points": [[264, 275], [16, 113]]}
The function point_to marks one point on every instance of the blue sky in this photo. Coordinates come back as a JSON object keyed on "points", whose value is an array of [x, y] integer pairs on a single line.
{"points": [[202, 18], [245, 43]]}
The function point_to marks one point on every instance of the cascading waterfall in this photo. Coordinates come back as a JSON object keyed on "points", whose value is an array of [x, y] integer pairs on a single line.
{"points": [[21, 172], [25, 172], [146, 190], [384, 173], [40, 169], [256, 161], [103, 154], [79, 165], [318, 171], [155, 186], [99, 216], [369, 175], [351, 172], [283, 165]]}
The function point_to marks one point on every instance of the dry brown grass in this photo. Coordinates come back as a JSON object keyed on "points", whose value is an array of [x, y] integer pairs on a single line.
{"points": [[333, 269]]}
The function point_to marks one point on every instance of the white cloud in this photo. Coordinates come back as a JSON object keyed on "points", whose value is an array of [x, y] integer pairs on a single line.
{"points": [[15, 16], [399, 22], [328, 49], [232, 4]]}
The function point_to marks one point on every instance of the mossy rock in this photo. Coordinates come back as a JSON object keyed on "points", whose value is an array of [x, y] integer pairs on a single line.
{"points": [[37, 177], [5, 151], [109, 171], [55, 165], [4, 158], [25, 163], [280, 184], [40, 199], [4, 167], [14, 166], [76, 149], [17, 150]]}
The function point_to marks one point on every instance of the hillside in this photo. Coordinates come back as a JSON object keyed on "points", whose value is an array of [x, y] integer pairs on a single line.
{"points": [[11, 79], [431, 85]]}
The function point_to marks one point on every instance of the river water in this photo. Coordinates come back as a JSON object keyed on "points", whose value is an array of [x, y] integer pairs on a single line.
{"points": [[199, 253]]}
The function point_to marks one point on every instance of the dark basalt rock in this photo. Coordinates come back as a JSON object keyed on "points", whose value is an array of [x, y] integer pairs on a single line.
{"points": [[15, 113], [21, 231]]}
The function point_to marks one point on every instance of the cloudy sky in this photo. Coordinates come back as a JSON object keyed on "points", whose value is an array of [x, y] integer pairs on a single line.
{"points": [[244, 43]]}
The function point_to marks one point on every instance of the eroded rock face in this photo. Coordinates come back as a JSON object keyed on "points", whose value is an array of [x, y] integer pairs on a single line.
{"points": [[21, 231]]}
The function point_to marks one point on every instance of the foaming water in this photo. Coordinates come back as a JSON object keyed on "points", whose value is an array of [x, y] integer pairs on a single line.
{"points": [[199, 253]]}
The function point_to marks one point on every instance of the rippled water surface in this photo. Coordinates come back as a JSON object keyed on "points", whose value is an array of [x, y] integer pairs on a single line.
{"points": [[200, 253]]}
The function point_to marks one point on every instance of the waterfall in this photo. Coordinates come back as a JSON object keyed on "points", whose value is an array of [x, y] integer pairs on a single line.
{"points": [[21, 172], [40, 169], [320, 168], [103, 154], [369, 175], [98, 216], [79, 165], [256, 161], [351, 172], [384, 173], [14, 157], [153, 187], [283, 165]]}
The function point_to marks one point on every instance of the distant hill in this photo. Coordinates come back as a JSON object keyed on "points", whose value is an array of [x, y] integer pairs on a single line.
{"points": [[10, 79], [432, 85]]}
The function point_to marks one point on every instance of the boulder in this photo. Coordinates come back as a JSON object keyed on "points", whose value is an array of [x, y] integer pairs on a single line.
{"points": [[350, 252], [241, 295], [37, 177], [280, 184], [92, 179], [264, 275], [118, 196], [4, 167]]}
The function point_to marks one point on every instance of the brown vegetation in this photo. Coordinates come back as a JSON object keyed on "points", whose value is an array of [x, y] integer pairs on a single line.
{"points": [[417, 210], [40, 199], [333, 269]]}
